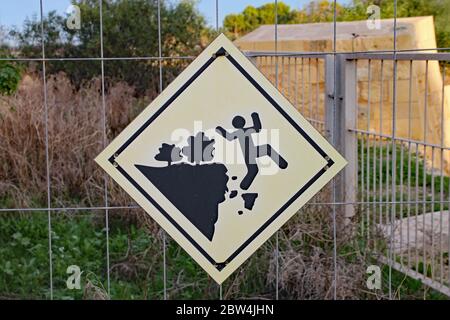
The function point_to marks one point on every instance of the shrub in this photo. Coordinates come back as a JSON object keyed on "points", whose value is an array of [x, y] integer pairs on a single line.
{"points": [[10, 75], [75, 137]]}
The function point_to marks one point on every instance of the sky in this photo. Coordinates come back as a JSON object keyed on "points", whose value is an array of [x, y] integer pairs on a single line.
{"points": [[14, 12]]}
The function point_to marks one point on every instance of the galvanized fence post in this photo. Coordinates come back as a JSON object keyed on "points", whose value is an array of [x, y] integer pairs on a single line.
{"points": [[349, 116], [329, 98], [340, 121]]}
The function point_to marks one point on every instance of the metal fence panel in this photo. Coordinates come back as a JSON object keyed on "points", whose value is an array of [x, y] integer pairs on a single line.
{"points": [[396, 184]]}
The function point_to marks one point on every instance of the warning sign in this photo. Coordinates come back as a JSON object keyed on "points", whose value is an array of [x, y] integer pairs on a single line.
{"points": [[221, 160]]}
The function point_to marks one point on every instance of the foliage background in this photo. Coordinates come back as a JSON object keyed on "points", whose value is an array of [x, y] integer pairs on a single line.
{"points": [[323, 11]]}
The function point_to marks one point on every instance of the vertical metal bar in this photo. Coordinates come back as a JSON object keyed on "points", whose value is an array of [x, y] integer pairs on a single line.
{"points": [[289, 79], [276, 84], [316, 116], [329, 97], [272, 69], [105, 177], [431, 212], [160, 90], [341, 119], [265, 66], [401, 203], [389, 213], [441, 185], [448, 238], [334, 143], [448, 229], [310, 89], [364, 139], [296, 83], [424, 180], [380, 194], [217, 15], [417, 207], [217, 29], [47, 164], [401, 200], [369, 79], [281, 80], [394, 150], [387, 194], [303, 86], [361, 139], [409, 161], [374, 189]]}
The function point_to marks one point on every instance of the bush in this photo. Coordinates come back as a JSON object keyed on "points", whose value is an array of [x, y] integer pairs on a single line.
{"points": [[10, 75], [75, 138], [130, 29]]}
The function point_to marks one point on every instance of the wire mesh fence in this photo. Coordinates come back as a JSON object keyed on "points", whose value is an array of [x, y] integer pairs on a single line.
{"points": [[406, 165], [387, 111], [402, 193]]}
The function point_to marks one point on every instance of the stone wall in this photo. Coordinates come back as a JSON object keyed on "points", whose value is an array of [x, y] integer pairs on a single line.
{"points": [[419, 106]]}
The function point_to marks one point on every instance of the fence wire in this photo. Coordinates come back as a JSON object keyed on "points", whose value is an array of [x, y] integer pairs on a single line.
{"points": [[386, 201]]}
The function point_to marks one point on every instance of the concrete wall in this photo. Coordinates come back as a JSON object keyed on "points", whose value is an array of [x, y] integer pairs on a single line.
{"points": [[418, 110]]}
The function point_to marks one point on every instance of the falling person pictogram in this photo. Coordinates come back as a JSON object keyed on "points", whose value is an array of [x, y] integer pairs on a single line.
{"points": [[249, 150]]}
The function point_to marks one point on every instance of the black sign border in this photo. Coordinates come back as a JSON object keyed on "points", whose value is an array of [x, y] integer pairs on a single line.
{"points": [[222, 52]]}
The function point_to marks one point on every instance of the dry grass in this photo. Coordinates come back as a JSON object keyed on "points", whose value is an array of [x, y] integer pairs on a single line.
{"points": [[306, 260], [75, 137], [94, 292], [307, 265], [75, 128]]}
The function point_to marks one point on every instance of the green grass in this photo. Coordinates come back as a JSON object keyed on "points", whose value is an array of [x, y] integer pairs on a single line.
{"points": [[136, 262], [81, 240], [410, 175], [406, 288], [136, 255]]}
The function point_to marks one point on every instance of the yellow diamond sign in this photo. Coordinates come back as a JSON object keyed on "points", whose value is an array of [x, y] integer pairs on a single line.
{"points": [[220, 159]]}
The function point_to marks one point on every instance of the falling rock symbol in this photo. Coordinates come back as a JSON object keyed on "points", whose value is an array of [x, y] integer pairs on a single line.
{"points": [[249, 200], [189, 189]]}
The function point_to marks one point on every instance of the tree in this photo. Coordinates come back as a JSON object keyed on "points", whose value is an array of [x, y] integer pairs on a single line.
{"points": [[169, 153], [251, 18], [440, 9], [318, 11], [10, 75], [200, 148], [3, 36], [10, 71], [323, 11], [235, 24], [130, 29]]}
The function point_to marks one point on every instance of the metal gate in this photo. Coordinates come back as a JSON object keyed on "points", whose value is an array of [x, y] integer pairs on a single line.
{"points": [[396, 184]]}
